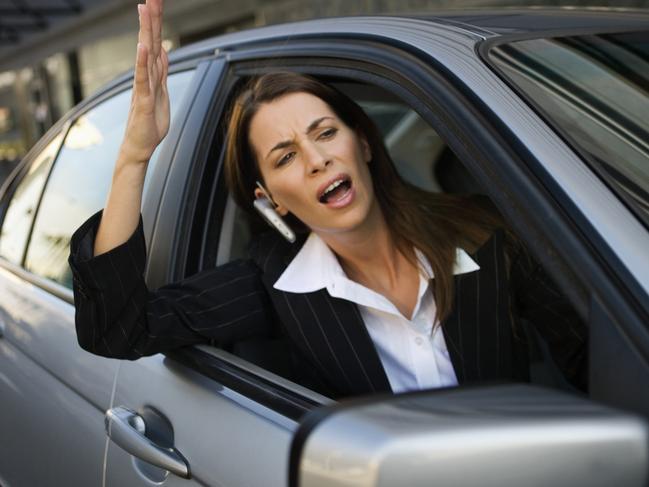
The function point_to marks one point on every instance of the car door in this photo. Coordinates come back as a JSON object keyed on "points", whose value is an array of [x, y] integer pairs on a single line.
{"points": [[591, 88], [578, 198], [230, 422], [54, 394], [220, 419]]}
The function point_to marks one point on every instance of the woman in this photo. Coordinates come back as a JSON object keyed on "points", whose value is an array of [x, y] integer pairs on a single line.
{"points": [[355, 295]]}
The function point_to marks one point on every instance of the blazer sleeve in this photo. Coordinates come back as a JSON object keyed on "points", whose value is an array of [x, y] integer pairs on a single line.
{"points": [[117, 316], [537, 300]]}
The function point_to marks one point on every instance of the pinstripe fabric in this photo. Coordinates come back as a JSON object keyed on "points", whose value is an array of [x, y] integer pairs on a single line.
{"points": [[117, 316], [330, 348], [480, 324], [338, 339]]}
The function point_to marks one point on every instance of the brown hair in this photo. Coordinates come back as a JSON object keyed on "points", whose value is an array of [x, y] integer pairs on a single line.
{"points": [[436, 224]]}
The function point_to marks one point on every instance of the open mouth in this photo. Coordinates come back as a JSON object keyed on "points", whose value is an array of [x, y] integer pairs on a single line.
{"points": [[336, 190]]}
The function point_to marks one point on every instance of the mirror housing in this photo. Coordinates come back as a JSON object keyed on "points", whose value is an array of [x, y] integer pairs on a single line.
{"points": [[507, 435]]}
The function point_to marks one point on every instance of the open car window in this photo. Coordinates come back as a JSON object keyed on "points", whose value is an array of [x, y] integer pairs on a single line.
{"points": [[423, 159]]}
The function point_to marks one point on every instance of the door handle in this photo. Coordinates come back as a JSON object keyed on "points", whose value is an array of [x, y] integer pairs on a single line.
{"points": [[126, 429]]}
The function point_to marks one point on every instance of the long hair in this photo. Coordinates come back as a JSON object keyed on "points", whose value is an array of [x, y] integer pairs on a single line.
{"points": [[436, 224]]}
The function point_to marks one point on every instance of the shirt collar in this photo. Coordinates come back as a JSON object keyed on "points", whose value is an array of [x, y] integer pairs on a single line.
{"points": [[316, 267]]}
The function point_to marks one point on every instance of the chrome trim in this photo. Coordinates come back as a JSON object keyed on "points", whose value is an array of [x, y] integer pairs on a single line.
{"points": [[261, 372], [126, 429], [51, 287]]}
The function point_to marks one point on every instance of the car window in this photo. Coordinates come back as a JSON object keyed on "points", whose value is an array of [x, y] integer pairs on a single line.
{"points": [[21, 210], [424, 159], [80, 180], [421, 157], [595, 90]]}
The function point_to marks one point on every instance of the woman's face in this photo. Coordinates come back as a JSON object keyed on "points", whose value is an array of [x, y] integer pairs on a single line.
{"points": [[313, 165]]}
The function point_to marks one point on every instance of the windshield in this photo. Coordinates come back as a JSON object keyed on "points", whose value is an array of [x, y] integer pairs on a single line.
{"points": [[595, 90]]}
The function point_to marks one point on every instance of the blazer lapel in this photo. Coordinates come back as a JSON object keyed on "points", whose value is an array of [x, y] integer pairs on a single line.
{"points": [[331, 334], [344, 345], [478, 329], [329, 331]]}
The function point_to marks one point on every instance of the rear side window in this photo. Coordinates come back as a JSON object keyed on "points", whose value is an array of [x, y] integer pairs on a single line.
{"points": [[22, 208], [595, 90], [80, 180]]}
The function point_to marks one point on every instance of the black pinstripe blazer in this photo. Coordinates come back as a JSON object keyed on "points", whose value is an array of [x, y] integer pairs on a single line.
{"points": [[327, 345]]}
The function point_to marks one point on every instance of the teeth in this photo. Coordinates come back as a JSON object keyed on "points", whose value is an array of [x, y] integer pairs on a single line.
{"points": [[333, 186]]}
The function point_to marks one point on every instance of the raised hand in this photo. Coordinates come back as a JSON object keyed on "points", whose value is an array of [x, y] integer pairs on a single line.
{"points": [[147, 124], [148, 118]]}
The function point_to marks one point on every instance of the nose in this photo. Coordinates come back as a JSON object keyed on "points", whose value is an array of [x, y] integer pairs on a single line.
{"points": [[315, 157]]}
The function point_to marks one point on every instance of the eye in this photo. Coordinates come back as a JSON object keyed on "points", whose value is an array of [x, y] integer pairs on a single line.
{"points": [[328, 133], [285, 158]]}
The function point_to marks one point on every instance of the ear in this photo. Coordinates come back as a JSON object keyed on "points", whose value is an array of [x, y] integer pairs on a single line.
{"points": [[280, 209], [365, 147]]}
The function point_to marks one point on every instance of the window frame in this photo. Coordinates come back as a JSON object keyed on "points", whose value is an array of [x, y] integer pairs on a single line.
{"points": [[361, 66], [55, 288], [67, 296], [6, 195], [62, 128], [20, 177]]}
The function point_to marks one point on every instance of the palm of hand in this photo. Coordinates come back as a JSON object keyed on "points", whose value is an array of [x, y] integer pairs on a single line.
{"points": [[148, 119]]}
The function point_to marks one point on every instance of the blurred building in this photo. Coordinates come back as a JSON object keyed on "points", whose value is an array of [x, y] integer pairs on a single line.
{"points": [[55, 52]]}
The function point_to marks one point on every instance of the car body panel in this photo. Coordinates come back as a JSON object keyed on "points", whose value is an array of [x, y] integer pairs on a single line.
{"points": [[239, 444], [53, 392], [448, 46], [227, 438], [479, 24]]}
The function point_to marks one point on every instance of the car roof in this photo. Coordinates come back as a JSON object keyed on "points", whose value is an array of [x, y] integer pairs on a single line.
{"points": [[535, 20], [480, 23], [469, 25]]}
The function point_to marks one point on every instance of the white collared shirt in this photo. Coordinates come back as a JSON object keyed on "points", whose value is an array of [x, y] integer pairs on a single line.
{"points": [[413, 355]]}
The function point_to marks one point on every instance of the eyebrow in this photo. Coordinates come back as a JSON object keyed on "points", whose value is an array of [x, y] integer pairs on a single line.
{"points": [[312, 126]]}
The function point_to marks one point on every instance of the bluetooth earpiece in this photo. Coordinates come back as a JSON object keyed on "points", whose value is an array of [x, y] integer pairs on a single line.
{"points": [[266, 208]]}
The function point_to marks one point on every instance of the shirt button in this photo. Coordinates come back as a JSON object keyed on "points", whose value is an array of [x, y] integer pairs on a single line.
{"points": [[419, 340]]}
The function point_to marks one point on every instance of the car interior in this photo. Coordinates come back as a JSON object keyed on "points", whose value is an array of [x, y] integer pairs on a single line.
{"points": [[423, 159]]}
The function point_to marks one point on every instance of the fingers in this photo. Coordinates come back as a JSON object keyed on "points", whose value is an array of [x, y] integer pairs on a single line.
{"points": [[161, 94], [165, 67], [155, 9], [141, 71], [145, 36]]}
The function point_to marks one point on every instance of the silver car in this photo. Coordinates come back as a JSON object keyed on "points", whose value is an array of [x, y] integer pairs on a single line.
{"points": [[546, 112]]}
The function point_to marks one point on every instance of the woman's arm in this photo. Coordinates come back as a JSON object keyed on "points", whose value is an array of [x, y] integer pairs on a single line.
{"points": [[118, 317], [146, 126]]}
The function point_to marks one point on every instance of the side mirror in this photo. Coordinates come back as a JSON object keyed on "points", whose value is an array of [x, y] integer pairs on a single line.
{"points": [[508, 435]]}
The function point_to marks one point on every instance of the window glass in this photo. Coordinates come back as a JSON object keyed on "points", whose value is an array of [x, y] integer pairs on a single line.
{"points": [[80, 180], [420, 155], [20, 214], [413, 145], [595, 89]]}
